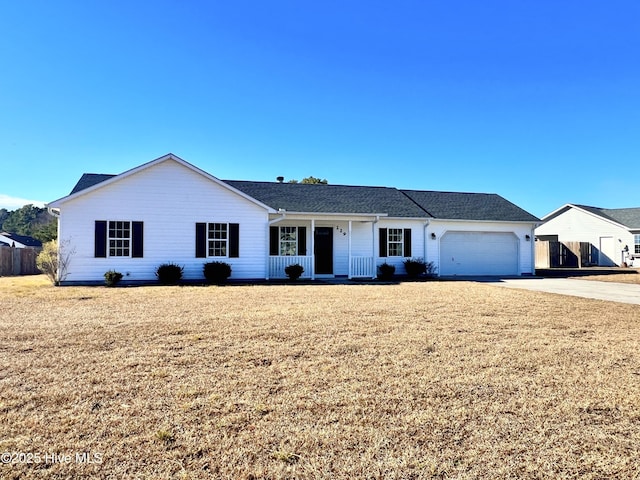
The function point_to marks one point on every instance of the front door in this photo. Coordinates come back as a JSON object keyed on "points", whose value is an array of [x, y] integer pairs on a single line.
{"points": [[323, 250]]}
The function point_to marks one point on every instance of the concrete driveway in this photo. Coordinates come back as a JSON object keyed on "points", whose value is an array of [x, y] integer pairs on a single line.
{"points": [[613, 292]]}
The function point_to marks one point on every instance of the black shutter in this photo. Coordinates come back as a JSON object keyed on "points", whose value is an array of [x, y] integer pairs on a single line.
{"points": [[100, 249], [137, 240], [302, 240], [274, 241], [234, 240], [201, 240], [383, 242], [407, 242]]}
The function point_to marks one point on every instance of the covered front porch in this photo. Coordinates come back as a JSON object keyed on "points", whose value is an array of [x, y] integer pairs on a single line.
{"points": [[325, 246]]}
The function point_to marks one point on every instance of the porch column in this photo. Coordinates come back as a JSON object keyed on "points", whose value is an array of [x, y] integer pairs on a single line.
{"points": [[373, 248], [350, 271], [313, 249]]}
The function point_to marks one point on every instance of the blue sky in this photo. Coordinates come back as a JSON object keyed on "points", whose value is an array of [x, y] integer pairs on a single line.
{"points": [[538, 101]]}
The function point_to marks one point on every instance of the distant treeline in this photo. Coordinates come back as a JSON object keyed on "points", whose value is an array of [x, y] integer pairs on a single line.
{"points": [[31, 221]]}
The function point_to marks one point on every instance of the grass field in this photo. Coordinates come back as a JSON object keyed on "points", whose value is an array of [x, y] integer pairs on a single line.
{"points": [[409, 381], [632, 277]]}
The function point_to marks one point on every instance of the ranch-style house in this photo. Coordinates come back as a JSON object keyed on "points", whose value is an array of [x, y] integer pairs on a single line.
{"points": [[168, 210]]}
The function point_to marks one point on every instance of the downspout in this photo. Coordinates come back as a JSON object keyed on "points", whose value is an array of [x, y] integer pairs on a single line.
{"points": [[533, 247], [424, 236], [283, 213]]}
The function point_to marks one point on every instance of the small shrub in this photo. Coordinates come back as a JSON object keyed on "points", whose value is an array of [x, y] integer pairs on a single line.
{"points": [[431, 270], [294, 271], [54, 260], [415, 267], [112, 278], [217, 272], [169, 273], [386, 271], [47, 261]]}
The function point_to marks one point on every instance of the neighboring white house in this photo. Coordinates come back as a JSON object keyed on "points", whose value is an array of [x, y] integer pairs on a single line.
{"points": [[613, 233], [168, 210]]}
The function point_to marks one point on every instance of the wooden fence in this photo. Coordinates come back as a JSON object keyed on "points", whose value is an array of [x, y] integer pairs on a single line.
{"points": [[565, 254], [18, 261]]}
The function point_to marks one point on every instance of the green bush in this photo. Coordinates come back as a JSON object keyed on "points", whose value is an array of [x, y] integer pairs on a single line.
{"points": [[112, 278], [415, 267], [294, 271], [216, 272], [386, 271], [169, 273]]}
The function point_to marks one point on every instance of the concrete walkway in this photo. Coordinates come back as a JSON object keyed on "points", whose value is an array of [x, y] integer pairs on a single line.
{"points": [[613, 292]]}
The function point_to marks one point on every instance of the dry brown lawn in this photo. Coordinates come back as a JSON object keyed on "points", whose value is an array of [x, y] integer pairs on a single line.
{"points": [[409, 381], [632, 277]]}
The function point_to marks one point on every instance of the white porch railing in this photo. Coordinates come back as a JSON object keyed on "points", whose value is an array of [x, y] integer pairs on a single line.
{"points": [[277, 265], [362, 267]]}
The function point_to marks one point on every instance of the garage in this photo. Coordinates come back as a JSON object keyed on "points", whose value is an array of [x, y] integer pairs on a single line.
{"points": [[479, 253]]}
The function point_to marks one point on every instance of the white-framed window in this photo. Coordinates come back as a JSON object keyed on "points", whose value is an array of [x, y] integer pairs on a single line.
{"points": [[636, 241], [217, 239], [119, 238], [395, 242], [288, 241]]}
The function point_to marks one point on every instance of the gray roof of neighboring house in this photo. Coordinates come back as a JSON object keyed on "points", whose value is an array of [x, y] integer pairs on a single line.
{"points": [[469, 206], [321, 198], [629, 217], [23, 239], [89, 180]]}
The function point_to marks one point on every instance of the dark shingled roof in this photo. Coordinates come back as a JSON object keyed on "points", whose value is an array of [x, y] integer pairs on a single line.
{"points": [[469, 206], [320, 198], [89, 180], [629, 217]]}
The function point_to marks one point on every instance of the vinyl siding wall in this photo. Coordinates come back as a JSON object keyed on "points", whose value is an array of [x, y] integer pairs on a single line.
{"points": [[417, 242], [169, 198]]}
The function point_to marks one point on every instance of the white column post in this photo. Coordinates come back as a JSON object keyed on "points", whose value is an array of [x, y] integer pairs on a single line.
{"points": [[373, 249], [313, 249]]}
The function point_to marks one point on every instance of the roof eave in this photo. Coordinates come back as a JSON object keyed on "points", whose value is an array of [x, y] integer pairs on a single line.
{"points": [[56, 204], [604, 219], [332, 214], [524, 222]]}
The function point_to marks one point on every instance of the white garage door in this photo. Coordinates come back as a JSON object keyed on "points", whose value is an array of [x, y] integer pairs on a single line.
{"points": [[479, 253]]}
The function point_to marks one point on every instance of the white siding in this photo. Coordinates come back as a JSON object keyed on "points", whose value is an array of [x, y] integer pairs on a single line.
{"points": [[362, 242], [417, 242], [579, 226], [169, 198]]}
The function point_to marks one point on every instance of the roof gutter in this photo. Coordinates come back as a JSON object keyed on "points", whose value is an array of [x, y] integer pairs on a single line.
{"points": [[54, 212], [282, 212]]}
